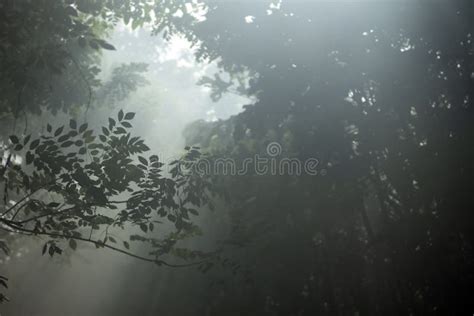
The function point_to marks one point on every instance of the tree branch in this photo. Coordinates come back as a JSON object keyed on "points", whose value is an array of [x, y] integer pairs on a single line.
{"points": [[45, 215], [20, 230], [25, 197]]}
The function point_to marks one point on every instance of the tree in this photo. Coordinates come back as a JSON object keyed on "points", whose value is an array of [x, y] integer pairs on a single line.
{"points": [[379, 93], [61, 183], [76, 186], [50, 50]]}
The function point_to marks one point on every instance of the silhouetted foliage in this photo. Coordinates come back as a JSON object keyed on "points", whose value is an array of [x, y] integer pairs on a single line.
{"points": [[380, 94], [61, 182]]}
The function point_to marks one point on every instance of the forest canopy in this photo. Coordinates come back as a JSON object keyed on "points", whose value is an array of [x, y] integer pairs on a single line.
{"points": [[379, 94]]}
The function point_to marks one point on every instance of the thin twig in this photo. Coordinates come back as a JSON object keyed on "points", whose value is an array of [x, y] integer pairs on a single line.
{"points": [[59, 211], [24, 198], [100, 244]]}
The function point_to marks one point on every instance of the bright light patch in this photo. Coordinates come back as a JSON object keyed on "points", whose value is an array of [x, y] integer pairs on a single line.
{"points": [[249, 19], [211, 115], [179, 50]]}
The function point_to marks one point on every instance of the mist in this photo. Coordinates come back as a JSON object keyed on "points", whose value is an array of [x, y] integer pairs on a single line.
{"points": [[236, 158]]}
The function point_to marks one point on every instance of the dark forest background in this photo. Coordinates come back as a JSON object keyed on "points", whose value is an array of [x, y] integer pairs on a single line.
{"points": [[379, 92]]}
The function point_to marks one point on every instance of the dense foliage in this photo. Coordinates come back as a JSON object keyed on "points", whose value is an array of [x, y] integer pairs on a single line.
{"points": [[379, 93], [61, 182]]}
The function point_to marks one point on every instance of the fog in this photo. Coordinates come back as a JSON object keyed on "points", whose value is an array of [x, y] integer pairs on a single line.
{"points": [[92, 282], [267, 157]]}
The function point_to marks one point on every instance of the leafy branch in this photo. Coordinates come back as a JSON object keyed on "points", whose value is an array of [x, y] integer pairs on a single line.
{"points": [[118, 188]]}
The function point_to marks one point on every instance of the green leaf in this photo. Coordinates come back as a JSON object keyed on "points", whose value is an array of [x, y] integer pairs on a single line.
{"points": [[105, 45], [143, 160], [93, 44], [144, 227], [63, 138], [26, 140], [120, 130], [83, 127], [135, 23], [45, 247], [126, 124], [126, 17], [59, 131], [120, 115], [88, 133], [14, 139], [29, 157], [34, 144], [126, 245], [111, 123], [49, 128], [72, 244], [105, 131], [72, 124], [129, 116], [67, 144]]}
